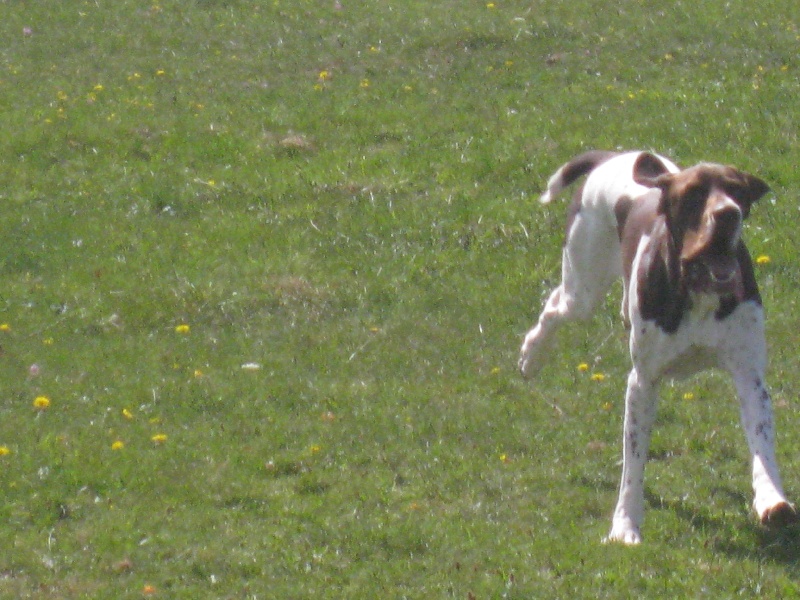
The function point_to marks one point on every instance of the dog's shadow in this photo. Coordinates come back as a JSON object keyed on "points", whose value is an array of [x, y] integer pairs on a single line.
{"points": [[738, 537]]}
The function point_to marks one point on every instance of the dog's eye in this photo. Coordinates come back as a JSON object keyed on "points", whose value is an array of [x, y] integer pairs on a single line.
{"points": [[693, 203], [694, 195]]}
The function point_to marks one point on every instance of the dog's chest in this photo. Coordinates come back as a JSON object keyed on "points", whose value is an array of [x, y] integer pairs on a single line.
{"points": [[693, 347]]}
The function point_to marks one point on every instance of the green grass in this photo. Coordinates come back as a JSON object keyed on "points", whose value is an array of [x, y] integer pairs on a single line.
{"points": [[346, 198]]}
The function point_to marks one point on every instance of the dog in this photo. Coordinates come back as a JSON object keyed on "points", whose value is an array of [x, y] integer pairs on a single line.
{"points": [[690, 299]]}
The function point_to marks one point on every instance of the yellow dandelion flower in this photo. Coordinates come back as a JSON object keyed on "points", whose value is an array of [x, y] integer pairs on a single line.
{"points": [[5, 327], [598, 377], [688, 396], [324, 75], [198, 373], [99, 87], [315, 449], [364, 83], [182, 328], [118, 445], [127, 414], [41, 403], [5, 451], [763, 260], [159, 438], [496, 370], [490, 5], [583, 367], [160, 72]]}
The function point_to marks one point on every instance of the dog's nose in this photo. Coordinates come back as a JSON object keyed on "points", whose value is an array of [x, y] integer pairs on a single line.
{"points": [[726, 225], [727, 217]]}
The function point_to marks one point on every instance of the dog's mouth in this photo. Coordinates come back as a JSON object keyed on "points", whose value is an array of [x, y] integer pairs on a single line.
{"points": [[714, 274]]}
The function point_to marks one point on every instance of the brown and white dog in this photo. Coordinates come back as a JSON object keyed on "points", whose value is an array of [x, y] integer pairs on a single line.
{"points": [[690, 299]]}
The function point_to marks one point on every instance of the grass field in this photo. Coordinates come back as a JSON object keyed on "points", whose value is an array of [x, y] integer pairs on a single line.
{"points": [[265, 269]]}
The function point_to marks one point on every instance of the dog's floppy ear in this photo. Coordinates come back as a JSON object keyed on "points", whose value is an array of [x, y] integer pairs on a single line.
{"points": [[744, 188], [647, 168], [651, 172]]}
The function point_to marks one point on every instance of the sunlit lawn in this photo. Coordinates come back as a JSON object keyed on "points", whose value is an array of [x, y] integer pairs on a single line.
{"points": [[266, 268]]}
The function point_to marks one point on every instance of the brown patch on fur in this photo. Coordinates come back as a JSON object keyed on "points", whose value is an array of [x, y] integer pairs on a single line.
{"points": [[780, 515], [638, 219], [728, 304], [662, 296]]}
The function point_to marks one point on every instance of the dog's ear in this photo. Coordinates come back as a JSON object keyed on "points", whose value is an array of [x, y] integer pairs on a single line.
{"points": [[648, 169], [651, 172], [744, 188]]}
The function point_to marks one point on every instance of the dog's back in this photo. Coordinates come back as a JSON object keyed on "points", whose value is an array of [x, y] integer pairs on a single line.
{"points": [[610, 175], [570, 172]]}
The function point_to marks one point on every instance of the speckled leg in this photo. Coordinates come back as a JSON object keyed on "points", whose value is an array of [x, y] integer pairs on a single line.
{"points": [[770, 503], [640, 412]]}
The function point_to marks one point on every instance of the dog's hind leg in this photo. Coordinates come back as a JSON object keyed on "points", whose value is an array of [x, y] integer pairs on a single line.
{"points": [[539, 339], [589, 266]]}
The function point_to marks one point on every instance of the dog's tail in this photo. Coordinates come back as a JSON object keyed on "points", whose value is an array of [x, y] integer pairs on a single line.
{"points": [[574, 169]]}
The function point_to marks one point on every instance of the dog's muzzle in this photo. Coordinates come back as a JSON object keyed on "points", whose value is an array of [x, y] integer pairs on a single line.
{"points": [[718, 275]]}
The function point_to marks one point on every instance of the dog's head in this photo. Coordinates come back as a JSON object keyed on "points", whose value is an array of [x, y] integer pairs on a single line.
{"points": [[704, 207]]}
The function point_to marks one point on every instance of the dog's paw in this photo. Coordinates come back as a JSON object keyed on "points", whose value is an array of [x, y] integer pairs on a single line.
{"points": [[779, 515], [528, 365], [623, 532], [524, 366]]}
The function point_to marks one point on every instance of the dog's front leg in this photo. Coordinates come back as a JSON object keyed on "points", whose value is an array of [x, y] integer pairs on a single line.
{"points": [[770, 503], [640, 412]]}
